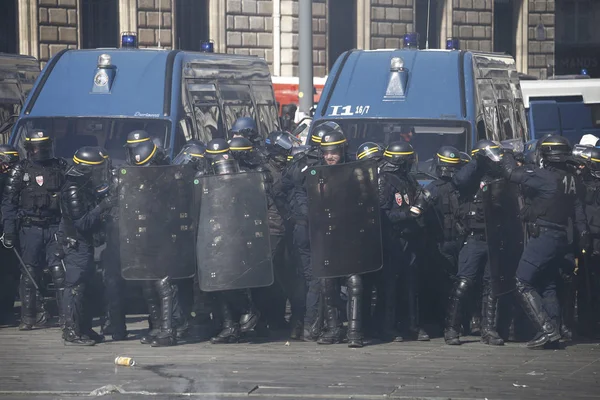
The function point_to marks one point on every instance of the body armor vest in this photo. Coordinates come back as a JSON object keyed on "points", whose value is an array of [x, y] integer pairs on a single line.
{"points": [[473, 213], [559, 208], [40, 193]]}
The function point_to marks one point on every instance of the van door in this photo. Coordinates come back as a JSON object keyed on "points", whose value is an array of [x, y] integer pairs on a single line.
{"points": [[544, 118], [237, 102], [268, 118], [207, 116]]}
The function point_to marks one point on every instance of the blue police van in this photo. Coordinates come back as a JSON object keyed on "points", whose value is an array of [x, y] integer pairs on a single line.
{"points": [[569, 107], [96, 97], [428, 97], [17, 76]]}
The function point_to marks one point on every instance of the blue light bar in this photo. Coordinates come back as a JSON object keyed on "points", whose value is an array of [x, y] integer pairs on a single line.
{"points": [[584, 71], [207, 47], [452, 44], [128, 40], [411, 40]]}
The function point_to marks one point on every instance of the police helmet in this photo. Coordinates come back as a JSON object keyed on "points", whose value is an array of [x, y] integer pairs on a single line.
{"points": [[298, 151], [489, 149], [368, 151], [447, 161], [137, 136], [246, 127], [279, 145], [143, 154], [325, 128], [555, 148], [91, 164], [39, 145], [8, 154], [593, 162], [192, 152], [465, 158], [400, 154], [334, 142], [224, 164], [216, 146]]}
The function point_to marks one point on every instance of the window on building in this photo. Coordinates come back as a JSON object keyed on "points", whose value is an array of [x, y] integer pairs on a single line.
{"points": [[428, 20], [575, 21], [341, 29], [505, 26], [99, 24], [191, 24], [8, 27]]}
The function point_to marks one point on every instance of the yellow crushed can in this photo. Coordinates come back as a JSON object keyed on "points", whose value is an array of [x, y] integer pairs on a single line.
{"points": [[125, 361]]}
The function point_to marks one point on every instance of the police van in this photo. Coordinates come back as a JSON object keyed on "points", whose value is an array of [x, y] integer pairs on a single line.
{"points": [[428, 97], [569, 107], [17, 76], [96, 97]]}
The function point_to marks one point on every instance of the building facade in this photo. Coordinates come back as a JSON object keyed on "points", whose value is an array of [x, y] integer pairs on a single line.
{"points": [[544, 36]]}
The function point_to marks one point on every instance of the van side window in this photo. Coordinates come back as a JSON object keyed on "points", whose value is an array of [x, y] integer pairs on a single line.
{"points": [[521, 121], [481, 133], [267, 109], [492, 125], [237, 103], [506, 119], [205, 108]]}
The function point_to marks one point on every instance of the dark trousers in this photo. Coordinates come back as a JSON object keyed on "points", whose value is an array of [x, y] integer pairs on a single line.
{"points": [[79, 265], [114, 285], [312, 284]]}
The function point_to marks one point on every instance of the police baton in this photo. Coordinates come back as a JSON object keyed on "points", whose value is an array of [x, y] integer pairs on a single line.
{"points": [[24, 268]]}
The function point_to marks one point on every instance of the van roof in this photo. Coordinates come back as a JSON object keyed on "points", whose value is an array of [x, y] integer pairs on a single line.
{"points": [[589, 89], [143, 78]]}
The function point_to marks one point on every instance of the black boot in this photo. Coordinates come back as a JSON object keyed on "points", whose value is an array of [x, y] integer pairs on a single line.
{"points": [[414, 327], [73, 309], [313, 328], [532, 305], [166, 336], [58, 279], [201, 326], [453, 316], [28, 296], [296, 328], [567, 308], [333, 331], [154, 318], [355, 300], [489, 305], [231, 329]]}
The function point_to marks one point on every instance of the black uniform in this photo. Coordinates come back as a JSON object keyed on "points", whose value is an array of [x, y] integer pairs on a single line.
{"points": [[551, 199], [402, 201], [31, 209], [82, 216]]}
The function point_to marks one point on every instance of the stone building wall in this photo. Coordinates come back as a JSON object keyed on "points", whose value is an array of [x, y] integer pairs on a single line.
{"points": [[473, 24], [541, 52], [57, 27], [150, 15], [249, 28], [390, 20]]}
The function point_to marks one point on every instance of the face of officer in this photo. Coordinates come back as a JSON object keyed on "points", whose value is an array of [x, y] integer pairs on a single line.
{"points": [[332, 157]]}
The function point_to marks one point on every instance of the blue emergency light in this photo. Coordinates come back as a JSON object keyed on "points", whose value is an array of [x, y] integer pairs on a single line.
{"points": [[411, 40], [207, 47], [128, 40], [452, 44], [584, 71]]}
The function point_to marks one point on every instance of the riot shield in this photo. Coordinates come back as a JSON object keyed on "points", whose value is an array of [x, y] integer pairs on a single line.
{"points": [[344, 219], [505, 233], [156, 225], [233, 246]]}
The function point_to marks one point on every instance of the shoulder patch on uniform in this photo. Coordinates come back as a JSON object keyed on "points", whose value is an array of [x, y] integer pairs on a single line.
{"points": [[406, 199], [398, 198]]}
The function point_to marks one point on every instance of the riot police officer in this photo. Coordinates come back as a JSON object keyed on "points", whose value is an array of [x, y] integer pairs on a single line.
{"points": [[193, 152], [402, 202], [551, 198], [443, 220], [161, 296], [473, 256], [293, 185], [333, 148], [31, 209], [245, 127], [9, 275], [244, 152], [217, 146], [87, 179], [369, 151]]}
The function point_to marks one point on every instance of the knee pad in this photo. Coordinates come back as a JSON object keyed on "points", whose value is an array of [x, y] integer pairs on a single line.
{"points": [[165, 287], [25, 276], [355, 285], [461, 288], [58, 276]]}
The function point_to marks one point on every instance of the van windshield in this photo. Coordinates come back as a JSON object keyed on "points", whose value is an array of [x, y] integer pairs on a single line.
{"points": [[426, 136], [72, 133]]}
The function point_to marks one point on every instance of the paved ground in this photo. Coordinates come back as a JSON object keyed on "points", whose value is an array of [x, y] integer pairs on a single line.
{"points": [[36, 365]]}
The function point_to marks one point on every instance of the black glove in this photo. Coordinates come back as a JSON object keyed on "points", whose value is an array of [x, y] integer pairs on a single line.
{"points": [[8, 240], [108, 202]]}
